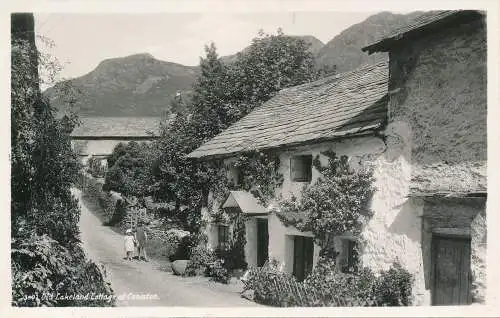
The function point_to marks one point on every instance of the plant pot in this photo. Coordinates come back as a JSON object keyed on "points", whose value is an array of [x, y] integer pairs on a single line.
{"points": [[179, 267]]}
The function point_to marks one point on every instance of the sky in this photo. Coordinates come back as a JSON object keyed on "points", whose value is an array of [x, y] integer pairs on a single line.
{"points": [[82, 40]]}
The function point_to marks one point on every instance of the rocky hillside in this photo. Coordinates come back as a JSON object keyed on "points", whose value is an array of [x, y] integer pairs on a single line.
{"points": [[344, 50], [136, 85], [140, 85]]}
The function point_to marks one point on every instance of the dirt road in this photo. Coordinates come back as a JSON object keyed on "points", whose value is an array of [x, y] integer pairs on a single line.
{"points": [[137, 283]]}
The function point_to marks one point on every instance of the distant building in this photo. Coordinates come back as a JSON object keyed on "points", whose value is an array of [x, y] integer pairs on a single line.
{"points": [[97, 136]]}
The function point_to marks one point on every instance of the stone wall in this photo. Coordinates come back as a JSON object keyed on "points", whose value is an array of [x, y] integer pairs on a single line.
{"points": [[438, 86], [438, 91]]}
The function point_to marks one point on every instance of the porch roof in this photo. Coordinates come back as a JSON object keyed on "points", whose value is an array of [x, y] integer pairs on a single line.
{"points": [[245, 201]]}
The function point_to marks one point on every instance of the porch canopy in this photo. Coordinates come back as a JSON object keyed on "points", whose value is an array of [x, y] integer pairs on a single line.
{"points": [[246, 202]]}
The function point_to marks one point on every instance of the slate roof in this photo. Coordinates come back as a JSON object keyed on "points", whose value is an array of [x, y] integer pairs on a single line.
{"points": [[245, 201], [338, 105], [116, 127], [427, 21]]}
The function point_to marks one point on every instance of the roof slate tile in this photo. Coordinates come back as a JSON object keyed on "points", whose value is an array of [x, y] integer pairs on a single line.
{"points": [[335, 106]]}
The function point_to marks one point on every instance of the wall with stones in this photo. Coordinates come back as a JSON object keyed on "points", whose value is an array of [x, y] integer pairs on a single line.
{"points": [[438, 90], [438, 85]]}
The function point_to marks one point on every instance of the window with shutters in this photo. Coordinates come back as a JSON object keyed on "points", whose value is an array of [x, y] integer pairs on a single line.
{"points": [[301, 168], [349, 256], [223, 236]]}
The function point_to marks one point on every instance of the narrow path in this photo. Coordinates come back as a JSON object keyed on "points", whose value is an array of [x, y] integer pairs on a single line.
{"points": [[141, 279]]}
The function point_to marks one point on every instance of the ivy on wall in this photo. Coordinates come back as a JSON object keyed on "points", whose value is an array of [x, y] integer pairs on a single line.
{"points": [[259, 175], [337, 203]]}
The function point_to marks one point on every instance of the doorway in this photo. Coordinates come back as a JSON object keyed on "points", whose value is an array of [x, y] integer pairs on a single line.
{"points": [[303, 249], [262, 241], [451, 270]]}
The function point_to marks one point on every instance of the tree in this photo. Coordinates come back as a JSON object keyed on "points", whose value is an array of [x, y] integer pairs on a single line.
{"points": [[221, 96], [129, 169], [211, 112], [45, 250], [271, 63]]}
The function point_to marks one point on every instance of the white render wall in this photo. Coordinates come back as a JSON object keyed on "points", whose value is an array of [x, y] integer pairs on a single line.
{"points": [[394, 231]]}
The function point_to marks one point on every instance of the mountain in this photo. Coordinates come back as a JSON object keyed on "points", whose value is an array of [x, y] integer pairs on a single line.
{"points": [[136, 85], [140, 85], [344, 50], [315, 47]]}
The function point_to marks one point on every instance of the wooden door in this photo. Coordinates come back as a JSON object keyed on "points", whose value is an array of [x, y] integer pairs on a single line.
{"points": [[262, 241], [303, 248], [452, 274]]}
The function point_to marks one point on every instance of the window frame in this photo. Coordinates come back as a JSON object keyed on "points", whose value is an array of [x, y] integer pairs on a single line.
{"points": [[307, 158], [349, 255], [222, 244]]}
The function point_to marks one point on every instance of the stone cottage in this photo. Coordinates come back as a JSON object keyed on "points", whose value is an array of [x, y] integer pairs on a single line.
{"points": [[97, 136], [420, 120], [437, 128], [344, 113]]}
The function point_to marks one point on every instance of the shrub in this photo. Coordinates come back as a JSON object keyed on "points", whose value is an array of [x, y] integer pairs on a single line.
{"points": [[92, 190], [171, 244], [325, 286], [264, 284], [218, 272], [333, 288], [183, 251], [95, 167], [42, 268], [394, 287], [119, 214], [199, 262]]}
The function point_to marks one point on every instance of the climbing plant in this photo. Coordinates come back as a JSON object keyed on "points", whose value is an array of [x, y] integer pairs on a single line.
{"points": [[338, 202], [259, 174]]}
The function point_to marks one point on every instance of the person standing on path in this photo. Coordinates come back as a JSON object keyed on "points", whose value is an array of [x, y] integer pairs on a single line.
{"points": [[142, 239], [129, 244]]}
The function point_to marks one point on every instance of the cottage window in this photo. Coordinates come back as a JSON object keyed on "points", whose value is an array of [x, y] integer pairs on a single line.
{"points": [[301, 168], [223, 236], [349, 256], [236, 175]]}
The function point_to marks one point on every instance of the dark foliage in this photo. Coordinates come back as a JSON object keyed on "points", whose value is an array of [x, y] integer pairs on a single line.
{"points": [[45, 251], [119, 214], [129, 170], [200, 261], [325, 286]]}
